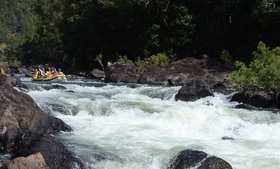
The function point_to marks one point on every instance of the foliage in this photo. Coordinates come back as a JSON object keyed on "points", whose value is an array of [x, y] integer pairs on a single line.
{"points": [[98, 58], [46, 44], [124, 59], [263, 72], [16, 27], [72, 33], [160, 59], [226, 58], [267, 13]]}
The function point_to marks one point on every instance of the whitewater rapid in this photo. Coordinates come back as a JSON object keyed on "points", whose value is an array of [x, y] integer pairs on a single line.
{"points": [[143, 127]]}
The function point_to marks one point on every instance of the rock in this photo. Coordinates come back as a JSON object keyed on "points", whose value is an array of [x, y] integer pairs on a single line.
{"points": [[54, 152], [99, 74], [193, 90], [227, 138], [19, 111], [244, 106], [16, 82], [197, 159], [257, 98], [176, 73], [122, 72], [33, 161], [155, 75], [25, 129]]}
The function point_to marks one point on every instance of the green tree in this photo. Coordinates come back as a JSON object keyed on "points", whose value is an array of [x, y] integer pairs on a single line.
{"points": [[124, 27], [263, 72], [16, 27], [224, 25], [267, 13], [46, 46]]}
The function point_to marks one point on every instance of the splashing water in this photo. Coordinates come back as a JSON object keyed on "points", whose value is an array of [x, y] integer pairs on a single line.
{"points": [[142, 127]]}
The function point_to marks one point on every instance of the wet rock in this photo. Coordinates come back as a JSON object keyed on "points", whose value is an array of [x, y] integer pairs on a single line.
{"points": [[193, 90], [197, 159], [244, 106], [58, 87], [17, 83], [227, 138], [25, 129], [53, 151], [257, 98]]}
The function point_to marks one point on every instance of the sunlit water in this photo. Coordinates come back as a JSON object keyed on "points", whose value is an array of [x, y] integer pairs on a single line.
{"points": [[143, 127]]}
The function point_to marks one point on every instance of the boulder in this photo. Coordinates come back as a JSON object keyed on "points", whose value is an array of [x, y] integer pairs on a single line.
{"points": [[122, 72], [99, 74], [53, 151], [257, 98], [154, 75], [18, 111], [25, 129], [33, 161], [197, 159], [176, 73], [192, 90]]}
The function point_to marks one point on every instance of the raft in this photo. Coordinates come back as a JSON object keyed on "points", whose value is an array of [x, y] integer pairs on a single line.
{"points": [[61, 77], [44, 78]]}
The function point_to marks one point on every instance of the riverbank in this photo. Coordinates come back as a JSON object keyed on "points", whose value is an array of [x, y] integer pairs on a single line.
{"points": [[198, 78]]}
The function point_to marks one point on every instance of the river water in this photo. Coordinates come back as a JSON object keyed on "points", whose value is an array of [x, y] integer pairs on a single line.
{"points": [[128, 126]]}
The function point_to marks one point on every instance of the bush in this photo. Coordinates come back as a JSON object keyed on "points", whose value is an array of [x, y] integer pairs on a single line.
{"points": [[124, 59], [226, 58], [263, 72], [160, 59]]}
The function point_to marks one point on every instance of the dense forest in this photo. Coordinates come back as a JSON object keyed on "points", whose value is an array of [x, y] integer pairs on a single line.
{"points": [[76, 33]]}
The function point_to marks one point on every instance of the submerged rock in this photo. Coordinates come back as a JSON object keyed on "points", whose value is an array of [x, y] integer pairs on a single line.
{"points": [[197, 159]]}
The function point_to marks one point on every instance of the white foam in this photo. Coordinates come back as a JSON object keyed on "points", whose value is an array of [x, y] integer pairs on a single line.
{"points": [[141, 125]]}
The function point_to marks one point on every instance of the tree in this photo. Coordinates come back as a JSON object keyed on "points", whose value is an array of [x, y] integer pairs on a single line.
{"points": [[16, 26], [46, 46], [125, 27], [267, 13], [263, 72]]}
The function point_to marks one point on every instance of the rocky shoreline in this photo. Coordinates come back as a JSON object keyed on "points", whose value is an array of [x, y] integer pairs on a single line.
{"points": [[26, 139], [199, 78]]}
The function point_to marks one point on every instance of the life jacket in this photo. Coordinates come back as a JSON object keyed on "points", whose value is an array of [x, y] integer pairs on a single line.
{"points": [[2, 71]]}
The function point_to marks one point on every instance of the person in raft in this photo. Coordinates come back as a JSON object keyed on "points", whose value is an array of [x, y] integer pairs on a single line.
{"points": [[2, 71], [59, 72], [49, 72]]}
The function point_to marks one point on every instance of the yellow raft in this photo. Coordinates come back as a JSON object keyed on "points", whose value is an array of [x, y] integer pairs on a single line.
{"points": [[44, 78]]}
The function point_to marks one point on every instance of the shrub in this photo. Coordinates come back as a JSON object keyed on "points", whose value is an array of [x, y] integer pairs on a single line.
{"points": [[263, 72], [225, 57], [160, 59], [124, 59]]}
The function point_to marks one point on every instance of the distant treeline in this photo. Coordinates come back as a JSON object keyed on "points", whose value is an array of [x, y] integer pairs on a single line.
{"points": [[75, 33]]}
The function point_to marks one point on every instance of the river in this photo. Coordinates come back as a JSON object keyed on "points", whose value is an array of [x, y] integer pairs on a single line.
{"points": [[128, 126]]}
